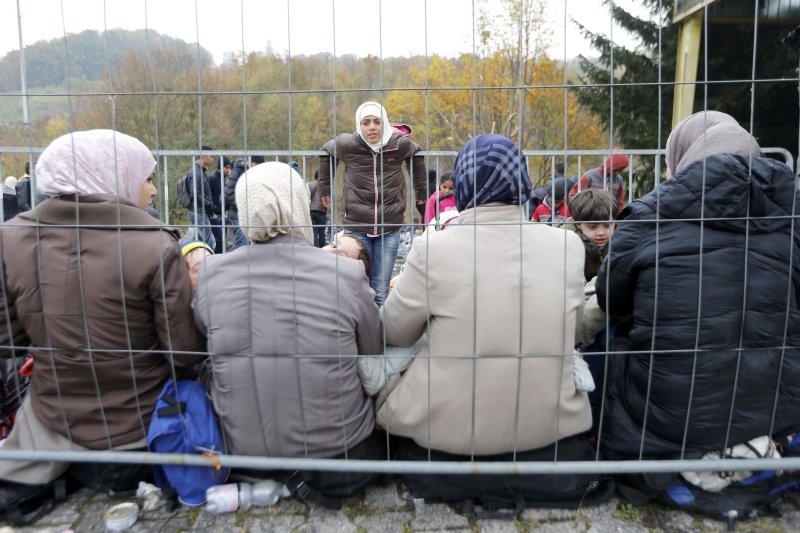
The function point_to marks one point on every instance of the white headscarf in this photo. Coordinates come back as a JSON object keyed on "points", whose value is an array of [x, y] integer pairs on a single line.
{"points": [[374, 109], [94, 162], [273, 199]]}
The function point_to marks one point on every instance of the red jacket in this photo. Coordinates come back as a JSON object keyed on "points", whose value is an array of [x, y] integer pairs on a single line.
{"points": [[544, 213]]}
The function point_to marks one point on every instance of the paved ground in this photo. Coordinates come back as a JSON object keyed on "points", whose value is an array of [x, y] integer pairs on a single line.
{"points": [[384, 509]]}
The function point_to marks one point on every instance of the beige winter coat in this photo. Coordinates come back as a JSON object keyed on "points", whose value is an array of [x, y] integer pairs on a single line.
{"points": [[549, 292]]}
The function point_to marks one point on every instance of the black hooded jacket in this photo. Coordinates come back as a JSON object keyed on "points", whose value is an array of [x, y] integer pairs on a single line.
{"points": [[752, 266], [230, 188]]}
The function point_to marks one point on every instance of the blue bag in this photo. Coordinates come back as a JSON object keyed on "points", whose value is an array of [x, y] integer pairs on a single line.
{"points": [[184, 422]]}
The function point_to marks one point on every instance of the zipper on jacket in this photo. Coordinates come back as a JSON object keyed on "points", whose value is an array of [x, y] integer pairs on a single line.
{"points": [[375, 181]]}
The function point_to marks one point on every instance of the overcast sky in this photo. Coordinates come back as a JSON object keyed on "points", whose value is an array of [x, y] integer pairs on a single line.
{"points": [[387, 28]]}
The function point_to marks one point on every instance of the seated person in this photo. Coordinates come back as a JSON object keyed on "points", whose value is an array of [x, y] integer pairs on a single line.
{"points": [[352, 247], [708, 284], [464, 287], [286, 322], [194, 252], [126, 291], [593, 213]]}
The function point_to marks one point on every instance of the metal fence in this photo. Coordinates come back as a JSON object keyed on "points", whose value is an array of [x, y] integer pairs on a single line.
{"points": [[439, 161], [581, 160], [307, 161]]}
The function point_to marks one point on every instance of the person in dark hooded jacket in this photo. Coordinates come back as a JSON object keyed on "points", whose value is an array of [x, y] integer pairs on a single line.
{"points": [[606, 176], [711, 301], [239, 168], [216, 182]]}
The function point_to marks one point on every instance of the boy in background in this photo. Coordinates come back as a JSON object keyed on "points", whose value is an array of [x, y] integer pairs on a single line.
{"points": [[593, 214], [553, 208]]}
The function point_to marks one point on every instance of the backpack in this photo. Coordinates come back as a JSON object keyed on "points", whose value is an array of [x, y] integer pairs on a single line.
{"points": [[13, 389], [184, 422], [758, 494], [19, 499], [184, 198]]}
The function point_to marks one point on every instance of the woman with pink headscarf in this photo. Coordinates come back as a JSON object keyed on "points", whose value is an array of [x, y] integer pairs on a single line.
{"points": [[96, 290]]}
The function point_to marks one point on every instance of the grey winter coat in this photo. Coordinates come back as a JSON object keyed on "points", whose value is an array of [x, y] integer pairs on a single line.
{"points": [[263, 307]]}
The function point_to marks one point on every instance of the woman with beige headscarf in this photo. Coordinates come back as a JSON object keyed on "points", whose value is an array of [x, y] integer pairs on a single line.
{"points": [[711, 292], [98, 294], [286, 321]]}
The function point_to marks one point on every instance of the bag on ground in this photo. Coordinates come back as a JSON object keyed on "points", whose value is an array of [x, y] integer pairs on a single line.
{"points": [[721, 495], [184, 422], [20, 499]]}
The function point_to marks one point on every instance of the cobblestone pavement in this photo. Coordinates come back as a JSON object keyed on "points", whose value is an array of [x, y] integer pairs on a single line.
{"points": [[383, 509]]}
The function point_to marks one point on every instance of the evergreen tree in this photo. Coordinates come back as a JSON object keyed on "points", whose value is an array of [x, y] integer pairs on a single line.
{"points": [[730, 57], [641, 79], [775, 115]]}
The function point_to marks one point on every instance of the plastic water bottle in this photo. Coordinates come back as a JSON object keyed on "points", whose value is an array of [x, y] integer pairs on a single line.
{"points": [[231, 497], [264, 493]]}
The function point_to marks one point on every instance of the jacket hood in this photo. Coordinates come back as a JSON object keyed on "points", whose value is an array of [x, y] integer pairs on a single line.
{"points": [[398, 132], [403, 129], [614, 164], [238, 163], [732, 191]]}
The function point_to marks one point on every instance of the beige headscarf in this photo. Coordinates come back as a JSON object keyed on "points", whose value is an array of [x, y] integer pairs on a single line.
{"points": [[94, 162], [273, 199], [723, 135]]}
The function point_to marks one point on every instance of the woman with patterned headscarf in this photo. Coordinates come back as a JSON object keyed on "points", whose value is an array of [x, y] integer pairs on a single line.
{"points": [[98, 294], [286, 321], [499, 298]]}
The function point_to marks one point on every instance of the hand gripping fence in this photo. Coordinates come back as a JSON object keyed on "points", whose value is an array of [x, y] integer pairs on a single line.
{"points": [[175, 158]]}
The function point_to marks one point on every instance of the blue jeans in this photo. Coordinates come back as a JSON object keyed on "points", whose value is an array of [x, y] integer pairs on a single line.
{"points": [[238, 234], [320, 221], [203, 227], [383, 251]]}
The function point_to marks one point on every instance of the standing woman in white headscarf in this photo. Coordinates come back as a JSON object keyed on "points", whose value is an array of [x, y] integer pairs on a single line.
{"points": [[96, 290], [374, 195]]}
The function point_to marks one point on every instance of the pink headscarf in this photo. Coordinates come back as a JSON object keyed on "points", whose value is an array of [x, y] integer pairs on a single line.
{"points": [[94, 162]]}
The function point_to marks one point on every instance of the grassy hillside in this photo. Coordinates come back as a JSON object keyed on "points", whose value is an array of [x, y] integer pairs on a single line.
{"points": [[89, 55]]}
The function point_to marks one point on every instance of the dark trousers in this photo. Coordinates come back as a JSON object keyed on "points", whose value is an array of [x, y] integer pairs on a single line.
{"points": [[567, 491], [320, 221], [216, 231], [335, 484], [595, 357]]}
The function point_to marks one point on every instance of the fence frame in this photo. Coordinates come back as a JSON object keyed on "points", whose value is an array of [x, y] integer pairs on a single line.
{"points": [[411, 467]]}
